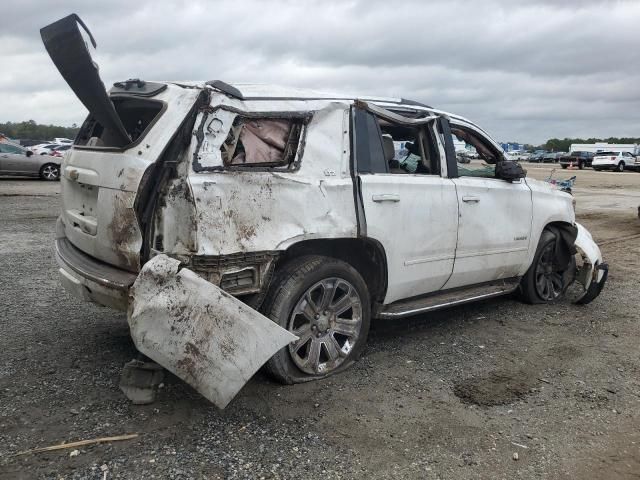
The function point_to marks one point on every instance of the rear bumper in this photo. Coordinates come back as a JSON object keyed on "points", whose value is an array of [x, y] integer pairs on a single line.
{"points": [[604, 166], [92, 280]]}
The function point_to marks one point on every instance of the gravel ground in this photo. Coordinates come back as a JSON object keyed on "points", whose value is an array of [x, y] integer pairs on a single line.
{"points": [[454, 394]]}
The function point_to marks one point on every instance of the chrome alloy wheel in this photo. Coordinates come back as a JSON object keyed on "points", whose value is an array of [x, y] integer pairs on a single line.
{"points": [[50, 172], [327, 320]]}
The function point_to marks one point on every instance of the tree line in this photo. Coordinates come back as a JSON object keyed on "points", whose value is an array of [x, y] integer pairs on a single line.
{"points": [[30, 130], [564, 145]]}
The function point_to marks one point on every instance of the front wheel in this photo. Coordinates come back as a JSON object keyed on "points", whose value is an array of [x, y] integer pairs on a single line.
{"points": [[547, 279], [50, 172], [326, 304]]}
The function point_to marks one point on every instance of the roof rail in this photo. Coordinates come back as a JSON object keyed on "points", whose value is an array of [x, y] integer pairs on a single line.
{"points": [[225, 88], [405, 101]]}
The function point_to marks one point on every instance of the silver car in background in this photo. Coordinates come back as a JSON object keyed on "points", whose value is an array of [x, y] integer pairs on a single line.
{"points": [[18, 161]]}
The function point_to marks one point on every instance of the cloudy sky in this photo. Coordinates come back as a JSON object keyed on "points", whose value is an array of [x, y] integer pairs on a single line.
{"points": [[524, 70]]}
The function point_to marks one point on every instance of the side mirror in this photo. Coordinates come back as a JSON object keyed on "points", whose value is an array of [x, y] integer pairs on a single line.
{"points": [[510, 170], [29, 153]]}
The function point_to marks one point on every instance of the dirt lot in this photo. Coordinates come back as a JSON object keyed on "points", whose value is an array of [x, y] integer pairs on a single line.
{"points": [[448, 395]]}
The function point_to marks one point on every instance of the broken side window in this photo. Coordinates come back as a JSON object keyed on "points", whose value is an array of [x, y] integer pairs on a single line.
{"points": [[414, 148], [262, 142], [483, 167]]}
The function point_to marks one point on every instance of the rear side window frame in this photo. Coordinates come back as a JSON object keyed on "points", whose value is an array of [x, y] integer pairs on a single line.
{"points": [[305, 117]]}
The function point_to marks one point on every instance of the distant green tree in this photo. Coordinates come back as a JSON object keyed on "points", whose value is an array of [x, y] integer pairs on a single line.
{"points": [[35, 131], [557, 145]]}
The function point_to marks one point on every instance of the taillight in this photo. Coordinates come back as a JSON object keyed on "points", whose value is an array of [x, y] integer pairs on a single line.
{"points": [[613, 158]]}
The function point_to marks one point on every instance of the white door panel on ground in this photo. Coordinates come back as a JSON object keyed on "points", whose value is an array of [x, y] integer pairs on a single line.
{"points": [[415, 217], [494, 230]]}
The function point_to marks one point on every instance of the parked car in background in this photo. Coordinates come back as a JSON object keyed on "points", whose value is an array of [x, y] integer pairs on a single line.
{"points": [[63, 140], [537, 157], [60, 150], [462, 157], [615, 160], [577, 159], [18, 161], [44, 148], [552, 157], [518, 156]]}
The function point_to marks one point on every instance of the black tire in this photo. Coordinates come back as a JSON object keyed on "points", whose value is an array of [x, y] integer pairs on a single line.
{"points": [[50, 172], [543, 274], [564, 167], [292, 285], [620, 167], [580, 165], [597, 169]]}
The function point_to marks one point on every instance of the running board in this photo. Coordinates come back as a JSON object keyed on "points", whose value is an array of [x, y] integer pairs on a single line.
{"points": [[446, 298]]}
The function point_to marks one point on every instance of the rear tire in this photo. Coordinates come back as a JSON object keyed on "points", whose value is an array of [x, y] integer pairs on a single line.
{"points": [[580, 165], [50, 172], [564, 167], [326, 303], [620, 167], [544, 282]]}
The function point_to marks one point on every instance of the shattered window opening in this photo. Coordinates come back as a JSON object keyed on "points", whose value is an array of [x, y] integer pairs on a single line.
{"points": [[137, 116], [486, 168], [262, 142], [414, 149]]}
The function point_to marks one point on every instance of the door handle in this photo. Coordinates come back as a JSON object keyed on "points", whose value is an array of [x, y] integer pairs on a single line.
{"points": [[469, 199], [385, 197]]}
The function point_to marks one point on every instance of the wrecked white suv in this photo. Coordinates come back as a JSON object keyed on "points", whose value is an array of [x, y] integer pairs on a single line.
{"points": [[243, 202]]}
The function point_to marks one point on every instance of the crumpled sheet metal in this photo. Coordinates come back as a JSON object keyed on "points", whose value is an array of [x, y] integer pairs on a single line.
{"points": [[203, 335]]}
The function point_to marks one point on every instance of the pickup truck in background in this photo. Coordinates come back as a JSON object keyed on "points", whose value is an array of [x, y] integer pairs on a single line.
{"points": [[577, 159]]}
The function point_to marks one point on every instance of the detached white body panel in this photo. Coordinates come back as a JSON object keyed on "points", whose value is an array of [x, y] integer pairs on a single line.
{"points": [[200, 333]]}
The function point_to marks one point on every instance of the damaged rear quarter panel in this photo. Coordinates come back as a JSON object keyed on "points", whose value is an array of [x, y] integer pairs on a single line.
{"points": [[100, 185], [269, 210]]}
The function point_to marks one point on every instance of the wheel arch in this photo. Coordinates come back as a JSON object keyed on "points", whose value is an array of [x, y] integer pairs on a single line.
{"points": [[566, 234], [366, 255]]}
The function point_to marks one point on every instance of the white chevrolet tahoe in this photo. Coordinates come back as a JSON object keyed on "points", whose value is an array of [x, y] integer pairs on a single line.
{"points": [[297, 204]]}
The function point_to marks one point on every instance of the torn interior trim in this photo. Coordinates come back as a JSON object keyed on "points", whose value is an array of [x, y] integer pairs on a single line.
{"points": [[275, 147], [267, 142]]}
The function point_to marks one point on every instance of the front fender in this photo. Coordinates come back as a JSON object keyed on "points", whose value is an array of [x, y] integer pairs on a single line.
{"points": [[593, 272]]}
